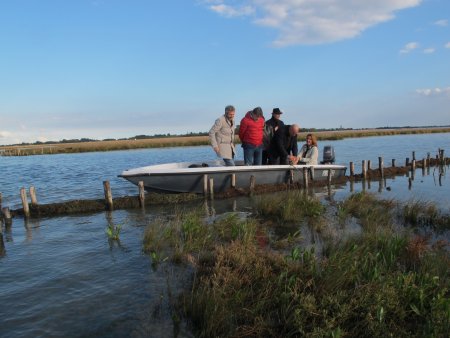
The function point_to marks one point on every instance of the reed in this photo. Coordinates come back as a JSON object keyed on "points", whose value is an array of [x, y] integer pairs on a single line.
{"points": [[181, 141]]}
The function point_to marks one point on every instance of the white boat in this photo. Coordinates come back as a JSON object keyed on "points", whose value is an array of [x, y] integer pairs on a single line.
{"points": [[189, 177]]}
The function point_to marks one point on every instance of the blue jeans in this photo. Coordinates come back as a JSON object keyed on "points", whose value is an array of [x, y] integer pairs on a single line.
{"points": [[252, 154], [229, 162]]}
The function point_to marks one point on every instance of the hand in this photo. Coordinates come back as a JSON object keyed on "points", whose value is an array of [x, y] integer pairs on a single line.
{"points": [[293, 159], [216, 149]]}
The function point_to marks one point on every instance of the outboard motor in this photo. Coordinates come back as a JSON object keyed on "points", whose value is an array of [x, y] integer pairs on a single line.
{"points": [[328, 155]]}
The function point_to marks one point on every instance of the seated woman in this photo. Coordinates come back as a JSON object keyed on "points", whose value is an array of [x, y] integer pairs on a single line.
{"points": [[309, 152]]}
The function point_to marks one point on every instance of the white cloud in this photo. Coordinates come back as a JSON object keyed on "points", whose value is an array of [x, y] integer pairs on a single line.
{"points": [[230, 11], [409, 47], [4, 134], [429, 50], [313, 21], [434, 91], [442, 23], [447, 45]]}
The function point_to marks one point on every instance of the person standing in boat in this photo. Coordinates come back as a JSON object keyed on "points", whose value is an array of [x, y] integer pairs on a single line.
{"points": [[284, 148], [251, 131], [270, 128], [221, 136], [309, 152]]}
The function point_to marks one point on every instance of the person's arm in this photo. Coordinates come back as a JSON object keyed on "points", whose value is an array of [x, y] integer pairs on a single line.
{"points": [[300, 154], [311, 158], [212, 135], [242, 129]]}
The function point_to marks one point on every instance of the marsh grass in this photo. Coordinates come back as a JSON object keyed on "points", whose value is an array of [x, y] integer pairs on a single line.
{"points": [[290, 206], [179, 141], [113, 231], [363, 288], [420, 213]]}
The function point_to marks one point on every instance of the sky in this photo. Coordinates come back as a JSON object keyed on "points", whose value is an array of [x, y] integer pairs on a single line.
{"points": [[72, 69]]}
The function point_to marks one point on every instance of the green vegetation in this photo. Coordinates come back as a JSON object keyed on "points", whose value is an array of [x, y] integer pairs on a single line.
{"points": [[381, 282], [113, 231]]}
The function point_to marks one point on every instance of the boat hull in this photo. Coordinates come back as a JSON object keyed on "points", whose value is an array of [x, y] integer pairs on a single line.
{"points": [[182, 179]]}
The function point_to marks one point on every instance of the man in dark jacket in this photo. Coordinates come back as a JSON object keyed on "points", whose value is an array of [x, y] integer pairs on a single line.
{"points": [[270, 128], [284, 149]]}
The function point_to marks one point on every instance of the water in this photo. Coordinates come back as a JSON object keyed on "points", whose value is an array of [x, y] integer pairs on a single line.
{"points": [[62, 277], [79, 176]]}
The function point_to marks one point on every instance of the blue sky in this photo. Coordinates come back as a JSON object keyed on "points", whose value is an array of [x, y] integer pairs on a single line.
{"points": [[115, 68]]}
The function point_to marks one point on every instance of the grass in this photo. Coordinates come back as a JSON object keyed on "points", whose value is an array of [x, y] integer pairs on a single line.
{"points": [[378, 283], [113, 231], [180, 141]]}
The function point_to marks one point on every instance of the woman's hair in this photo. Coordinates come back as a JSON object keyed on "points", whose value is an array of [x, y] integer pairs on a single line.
{"points": [[313, 139], [257, 112]]}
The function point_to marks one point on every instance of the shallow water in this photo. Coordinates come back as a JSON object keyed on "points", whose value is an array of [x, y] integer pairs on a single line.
{"points": [[62, 277]]}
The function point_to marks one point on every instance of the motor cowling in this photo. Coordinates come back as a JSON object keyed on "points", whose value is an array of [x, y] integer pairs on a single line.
{"points": [[328, 155]]}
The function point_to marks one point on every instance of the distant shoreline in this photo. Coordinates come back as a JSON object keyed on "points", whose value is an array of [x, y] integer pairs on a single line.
{"points": [[180, 141]]}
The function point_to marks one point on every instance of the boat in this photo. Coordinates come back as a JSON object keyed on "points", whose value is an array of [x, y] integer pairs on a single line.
{"points": [[194, 177]]}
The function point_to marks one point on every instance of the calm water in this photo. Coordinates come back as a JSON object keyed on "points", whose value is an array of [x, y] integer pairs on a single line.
{"points": [[79, 176], [62, 277]]}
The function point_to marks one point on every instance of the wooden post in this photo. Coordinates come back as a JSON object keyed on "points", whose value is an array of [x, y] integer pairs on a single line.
{"points": [[211, 187], [311, 171], [34, 201], [428, 159], [364, 170], [414, 155], [305, 177], [233, 180], [141, 193], [329, 175], [252, 183], [393, 162], [351, 185], [381, 166], [205, 185], [23, 196], [291, 176], [108, 195], [407, 162], [369, 165], [7, 216], [413, 165], [352, 169]]}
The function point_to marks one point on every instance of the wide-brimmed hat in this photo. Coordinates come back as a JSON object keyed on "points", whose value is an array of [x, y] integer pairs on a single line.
{"points": [[276, 111]]}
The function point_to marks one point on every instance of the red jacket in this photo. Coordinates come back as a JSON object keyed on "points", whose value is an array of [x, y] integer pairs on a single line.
{"points": [[251, 131]]}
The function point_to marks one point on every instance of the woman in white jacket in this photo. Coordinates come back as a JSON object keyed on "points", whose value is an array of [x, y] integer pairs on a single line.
{"points": [[221, 136], [309, 152]]}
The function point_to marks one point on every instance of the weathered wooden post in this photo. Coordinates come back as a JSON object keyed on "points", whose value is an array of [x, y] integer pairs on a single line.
{"points": [[34, 201], [352, 169], [291, 176], [252, 183], [7, 216], [211, 188], [305, 177], [413, 155], [108, 195], [205, 185], [393, 162], [23, 196], [141, 193], [381, 166], [351, 185], [329, 175], [233, 180], [428, 159], [364, 169], [413, 165], [312, 173], [369, 165], [407, 162]]}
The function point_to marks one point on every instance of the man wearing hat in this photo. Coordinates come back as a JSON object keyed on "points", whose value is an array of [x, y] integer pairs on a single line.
{"points": [[270, 128]]}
